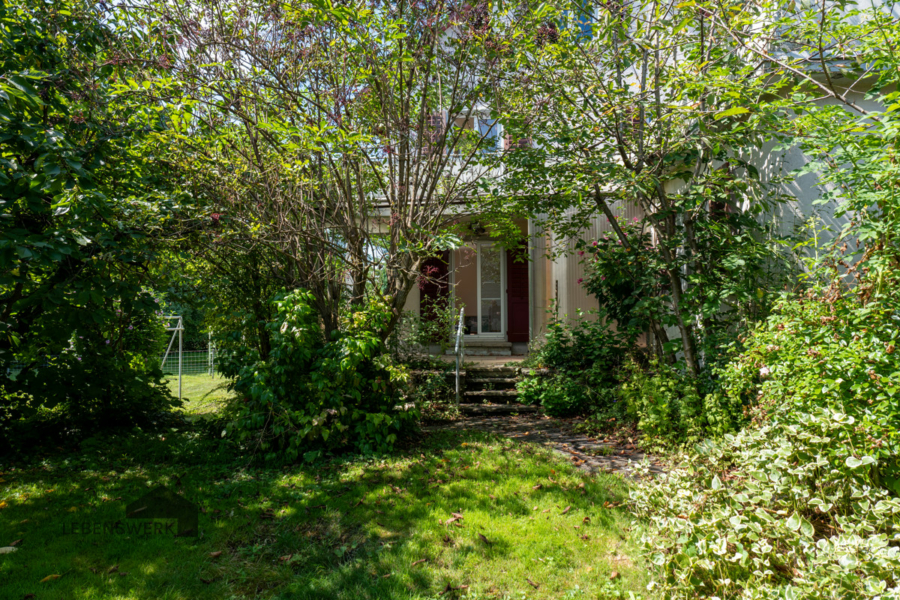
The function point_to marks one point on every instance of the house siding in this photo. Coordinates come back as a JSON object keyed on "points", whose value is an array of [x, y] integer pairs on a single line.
{"points": [[567, 268]]}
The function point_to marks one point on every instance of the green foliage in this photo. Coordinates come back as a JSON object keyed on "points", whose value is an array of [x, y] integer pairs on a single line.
{"points": [[313, 394], [665, 404], [83, 202], [624, 279], [579, 344], [561, 395], [109, 377], [606, 137], [804, 501], [821, 350], [631, 282], [308, 196], [80, 194], [583, 357], [787, 510]]}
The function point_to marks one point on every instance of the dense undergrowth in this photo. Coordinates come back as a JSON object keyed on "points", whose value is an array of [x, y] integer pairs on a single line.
{"points": [[582, 358], [786, 454], [312, 394], [604, 376], [803, 502]]}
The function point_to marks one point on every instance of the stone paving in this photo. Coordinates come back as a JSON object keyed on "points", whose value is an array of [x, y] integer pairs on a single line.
{"points": [[587, 453]]}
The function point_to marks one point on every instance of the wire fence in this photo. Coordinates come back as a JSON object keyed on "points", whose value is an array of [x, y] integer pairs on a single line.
{"points": [[201, 362], [192, 363]]}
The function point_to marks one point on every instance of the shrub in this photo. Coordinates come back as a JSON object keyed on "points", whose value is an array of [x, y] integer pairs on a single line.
{"points": [[625, 279], [561, 395], [311, 394], [584, 356], [664, 403], [803, 502], [109, 377], [579, 344]]}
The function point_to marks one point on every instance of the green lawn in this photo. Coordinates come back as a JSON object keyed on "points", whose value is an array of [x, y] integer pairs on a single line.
{"points": [[531, 526], [201, 393]]}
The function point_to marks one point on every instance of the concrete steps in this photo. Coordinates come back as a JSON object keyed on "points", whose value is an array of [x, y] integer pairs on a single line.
{"points": [[495, 409], [494, 387], [491, 389], [492, 380]]}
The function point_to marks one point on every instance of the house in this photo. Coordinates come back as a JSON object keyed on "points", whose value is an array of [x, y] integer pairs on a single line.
{"points": [[508, 295]]}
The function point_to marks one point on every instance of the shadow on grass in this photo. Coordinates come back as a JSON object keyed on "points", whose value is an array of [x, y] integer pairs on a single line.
{"points": [[457, 509]]}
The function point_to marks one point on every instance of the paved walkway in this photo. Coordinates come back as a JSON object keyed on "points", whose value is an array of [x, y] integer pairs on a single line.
{"points": [[588, 454]]}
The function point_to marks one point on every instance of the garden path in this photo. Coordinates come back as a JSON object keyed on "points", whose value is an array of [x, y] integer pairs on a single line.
{"points": [[605, 454]]}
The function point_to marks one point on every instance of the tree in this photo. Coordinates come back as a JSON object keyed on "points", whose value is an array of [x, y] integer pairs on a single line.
{"points": [[81, 201], [82, 210], [650, 103], [340, 138], [841, 58]]}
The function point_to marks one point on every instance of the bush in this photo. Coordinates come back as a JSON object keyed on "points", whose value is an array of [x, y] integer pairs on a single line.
{"points": [[664, 403], [311, 394], [561, 395], [804, 501], [109, 377], [582, 343], [584, 356]]}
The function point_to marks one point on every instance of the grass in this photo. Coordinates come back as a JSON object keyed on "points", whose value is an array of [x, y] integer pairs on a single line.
{"points": [[201, 393], [532, 526]]}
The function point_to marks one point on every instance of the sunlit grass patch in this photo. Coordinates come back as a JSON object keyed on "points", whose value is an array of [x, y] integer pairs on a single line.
{"points": [[459, 513], [201, 393]]}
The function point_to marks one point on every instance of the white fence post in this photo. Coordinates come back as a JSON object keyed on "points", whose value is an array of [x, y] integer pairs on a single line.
{"points": [[212, 356], [177, 330], [180, 355]]}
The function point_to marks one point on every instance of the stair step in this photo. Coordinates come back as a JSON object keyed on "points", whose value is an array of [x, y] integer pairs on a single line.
{"points": [[493, 372], [476, 409], [492, 379], [486, 393]]}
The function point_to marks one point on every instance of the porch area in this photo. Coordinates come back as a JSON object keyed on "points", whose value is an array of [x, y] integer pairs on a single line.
{"points": [[491, 284], [510, 290]]}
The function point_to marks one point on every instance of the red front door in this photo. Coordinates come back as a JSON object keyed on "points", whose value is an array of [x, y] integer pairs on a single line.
{"points": [[434, 286], [517, 295]]}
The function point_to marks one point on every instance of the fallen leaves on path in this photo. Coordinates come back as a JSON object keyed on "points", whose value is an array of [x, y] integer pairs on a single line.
{"points": [[50, 578], [532, 584]]}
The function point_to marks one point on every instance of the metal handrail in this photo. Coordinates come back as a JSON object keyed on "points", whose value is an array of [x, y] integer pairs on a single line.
{"points": [[460, 347]]}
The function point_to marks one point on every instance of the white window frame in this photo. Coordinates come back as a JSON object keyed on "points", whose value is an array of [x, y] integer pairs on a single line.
{"points": [[501, 335], [498, 141]]}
